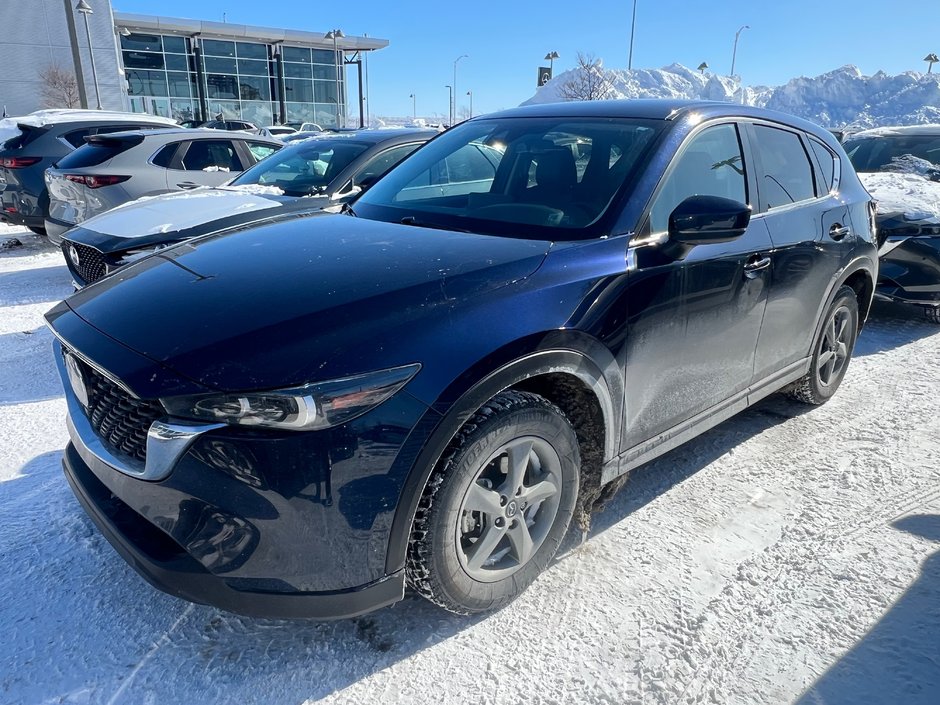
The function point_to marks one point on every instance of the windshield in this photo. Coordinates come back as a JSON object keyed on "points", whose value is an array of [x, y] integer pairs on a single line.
{"points": [[915, 153], [305, 169], [555, 176]]}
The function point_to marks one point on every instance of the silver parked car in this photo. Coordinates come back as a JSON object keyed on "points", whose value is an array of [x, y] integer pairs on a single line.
{"points": [[116, 168]]}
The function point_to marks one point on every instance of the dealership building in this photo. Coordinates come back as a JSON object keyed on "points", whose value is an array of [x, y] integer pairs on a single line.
{"points": [[187, 69]]}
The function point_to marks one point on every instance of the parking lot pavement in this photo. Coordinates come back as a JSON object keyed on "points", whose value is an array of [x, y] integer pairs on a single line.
{"points": [[785, 555]]}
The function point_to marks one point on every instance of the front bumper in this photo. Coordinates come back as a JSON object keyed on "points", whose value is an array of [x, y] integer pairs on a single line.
{"points": [[259, 523], [910, 270], [163, 564]]}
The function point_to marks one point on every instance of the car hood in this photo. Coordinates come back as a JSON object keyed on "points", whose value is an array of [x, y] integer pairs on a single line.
{"points": [[903, 196], [308, 298], [171, 217]]}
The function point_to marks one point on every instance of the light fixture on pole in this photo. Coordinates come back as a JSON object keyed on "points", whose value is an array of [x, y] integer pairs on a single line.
{"points": [[701, 67], [335, 34], [632, 34], [470, 93], [414, 109], [85, 9], [734, 53], [124, 32], [550, 58], [931, 59], [453, 119], [450, 102]]}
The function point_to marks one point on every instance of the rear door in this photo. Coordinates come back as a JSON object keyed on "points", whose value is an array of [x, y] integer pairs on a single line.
{"points": [[693, 320], [806, 221], [208, 162]]}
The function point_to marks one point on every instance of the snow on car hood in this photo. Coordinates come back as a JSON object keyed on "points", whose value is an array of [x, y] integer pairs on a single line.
{"points": [[152, 215], [912, 195]]}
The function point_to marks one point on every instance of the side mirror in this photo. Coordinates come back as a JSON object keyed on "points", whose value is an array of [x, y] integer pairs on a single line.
{"points": [[702, 220]]}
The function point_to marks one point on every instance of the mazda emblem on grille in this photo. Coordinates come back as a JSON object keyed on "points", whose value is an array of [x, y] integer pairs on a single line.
{"points": [[73, 255]]}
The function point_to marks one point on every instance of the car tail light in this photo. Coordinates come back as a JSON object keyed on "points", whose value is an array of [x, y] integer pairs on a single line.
{"points": [[18, 162], [96, 181]]}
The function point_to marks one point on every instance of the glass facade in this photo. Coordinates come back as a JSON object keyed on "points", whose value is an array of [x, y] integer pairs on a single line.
{"points": [[237, 80]]}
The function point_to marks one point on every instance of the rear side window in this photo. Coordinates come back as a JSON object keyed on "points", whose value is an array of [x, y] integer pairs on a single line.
{"points": [[787, 172], [211, 155], [93, 154], [828, 162]]}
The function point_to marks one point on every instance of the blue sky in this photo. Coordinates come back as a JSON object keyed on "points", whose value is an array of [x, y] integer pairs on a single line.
{"points": [[506, 41]]}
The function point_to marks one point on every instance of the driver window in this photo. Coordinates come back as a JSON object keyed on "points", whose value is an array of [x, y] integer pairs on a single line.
{"points": [[710, 165]]}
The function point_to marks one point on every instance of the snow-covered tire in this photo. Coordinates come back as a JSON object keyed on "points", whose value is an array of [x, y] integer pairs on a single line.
{"points": [[832, 351], [932, 313], [497, 505]]}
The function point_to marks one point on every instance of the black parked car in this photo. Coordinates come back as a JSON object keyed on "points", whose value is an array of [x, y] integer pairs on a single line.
{"points": [[302, 417], [894, 164], [43, 138], [325, 170]]}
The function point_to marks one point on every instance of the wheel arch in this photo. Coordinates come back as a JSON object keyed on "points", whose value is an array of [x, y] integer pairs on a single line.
{"points": [[564, 366], [860, 275]]}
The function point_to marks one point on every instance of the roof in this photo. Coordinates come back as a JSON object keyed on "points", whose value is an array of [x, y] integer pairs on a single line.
{"points": [[369, 136], [189, 133], [242, 32], [659, 109]]}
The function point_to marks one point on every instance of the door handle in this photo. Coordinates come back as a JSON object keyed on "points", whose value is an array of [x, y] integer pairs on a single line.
{"points": [[755, 265], [188, 185], [838, 231]]}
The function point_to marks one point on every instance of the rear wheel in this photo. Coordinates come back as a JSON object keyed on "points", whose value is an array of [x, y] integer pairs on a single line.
{"points": [[832, 351], [497, 507], [932, 313]]}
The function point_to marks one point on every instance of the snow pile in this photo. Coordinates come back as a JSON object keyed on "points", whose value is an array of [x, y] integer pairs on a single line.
{"points": [[840, 98], [41, 118], [911, 194]]}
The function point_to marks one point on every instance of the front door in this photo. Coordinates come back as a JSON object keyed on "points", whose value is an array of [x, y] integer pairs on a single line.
{"points": [[694, 321]]}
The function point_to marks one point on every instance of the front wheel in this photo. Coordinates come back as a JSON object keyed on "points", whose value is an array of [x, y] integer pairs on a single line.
{"points": [[497, 507], [832, 351]]}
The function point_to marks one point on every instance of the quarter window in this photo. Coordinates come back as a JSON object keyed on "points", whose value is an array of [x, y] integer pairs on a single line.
{"points": [[711, 165], [787, 173], [828, 162]]}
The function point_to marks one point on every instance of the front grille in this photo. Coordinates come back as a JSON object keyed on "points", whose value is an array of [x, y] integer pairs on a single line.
{"points": [[120, 420], [91, 263]]}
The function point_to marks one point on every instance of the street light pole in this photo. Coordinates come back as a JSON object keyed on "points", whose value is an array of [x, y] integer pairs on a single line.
{"points": [[453, 120], [632, 33], [450, 101], [550, 57], [734, 53], [85, 9], [414, 109], [335, 34], [470, 93]]}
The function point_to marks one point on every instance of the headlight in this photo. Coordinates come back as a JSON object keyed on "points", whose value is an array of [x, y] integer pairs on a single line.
{"points": [[312, 406]]}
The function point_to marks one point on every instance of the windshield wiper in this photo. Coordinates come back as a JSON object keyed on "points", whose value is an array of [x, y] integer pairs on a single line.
{"points": [[411, 220]]}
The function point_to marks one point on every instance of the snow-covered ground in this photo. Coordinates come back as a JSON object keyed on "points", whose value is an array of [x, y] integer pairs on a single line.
{"points": [[788, 555], [844, 97]]}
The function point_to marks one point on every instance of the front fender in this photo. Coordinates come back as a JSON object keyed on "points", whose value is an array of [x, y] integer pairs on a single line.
{"points": [[568, 352]]}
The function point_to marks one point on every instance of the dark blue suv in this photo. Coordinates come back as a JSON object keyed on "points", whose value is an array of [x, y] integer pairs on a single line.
{"points": [[303, 417]]}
